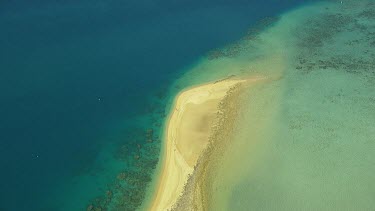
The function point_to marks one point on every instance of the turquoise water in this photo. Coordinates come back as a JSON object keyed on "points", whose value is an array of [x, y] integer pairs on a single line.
{"points": [[304, 139], [81, 84]]}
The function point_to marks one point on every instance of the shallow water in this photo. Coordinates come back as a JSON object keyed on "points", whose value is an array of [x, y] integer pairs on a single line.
{"points": [[305, 139]]}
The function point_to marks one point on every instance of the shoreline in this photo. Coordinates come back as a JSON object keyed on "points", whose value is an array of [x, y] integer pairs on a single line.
{"points": [[190, 123]]}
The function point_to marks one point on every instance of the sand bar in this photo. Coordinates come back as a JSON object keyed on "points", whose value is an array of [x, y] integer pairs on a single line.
{"points": [[187, 134]]}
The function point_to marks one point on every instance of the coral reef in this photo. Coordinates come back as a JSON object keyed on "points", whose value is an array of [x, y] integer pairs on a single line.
{"points": [[251, 35]]}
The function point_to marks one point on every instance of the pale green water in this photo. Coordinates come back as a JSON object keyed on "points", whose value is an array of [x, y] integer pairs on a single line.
{"points": [[306, 140]]}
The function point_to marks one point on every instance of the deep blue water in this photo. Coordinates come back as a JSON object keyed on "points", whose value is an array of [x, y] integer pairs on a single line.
{"points": [[73, 72]]}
